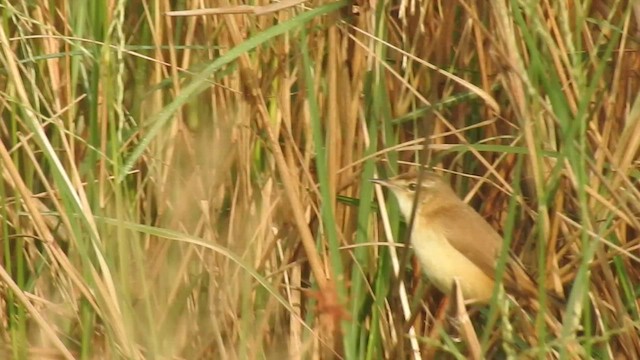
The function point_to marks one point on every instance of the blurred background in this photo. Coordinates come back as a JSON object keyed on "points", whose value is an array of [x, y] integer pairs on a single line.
{"points": [[195, 185]]}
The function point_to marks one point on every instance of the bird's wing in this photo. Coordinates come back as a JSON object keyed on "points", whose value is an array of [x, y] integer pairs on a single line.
{"points": [[484, 249], [484, 246]]}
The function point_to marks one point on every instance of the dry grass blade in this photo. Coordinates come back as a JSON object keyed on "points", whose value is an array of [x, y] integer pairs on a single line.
{"points": [[241, 9], [463, 322]]}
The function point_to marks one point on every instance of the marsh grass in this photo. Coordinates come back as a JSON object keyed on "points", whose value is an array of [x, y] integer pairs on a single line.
{"points": [[197, 186]]}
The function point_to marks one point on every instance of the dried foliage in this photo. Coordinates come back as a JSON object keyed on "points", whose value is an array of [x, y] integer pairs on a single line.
{"points": [[195, 186]]}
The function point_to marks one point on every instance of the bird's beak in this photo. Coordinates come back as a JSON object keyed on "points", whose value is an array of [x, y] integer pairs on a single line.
{"points": [[381, 182]]}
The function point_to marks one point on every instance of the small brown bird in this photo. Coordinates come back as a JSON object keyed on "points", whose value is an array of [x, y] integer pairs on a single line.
{"points": [[452, 240]]}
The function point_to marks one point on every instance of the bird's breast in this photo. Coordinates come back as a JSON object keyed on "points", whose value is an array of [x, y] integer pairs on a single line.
{"points": [[442, 263]]}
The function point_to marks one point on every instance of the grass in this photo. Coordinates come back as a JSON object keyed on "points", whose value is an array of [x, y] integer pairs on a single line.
{"points": [[197, 186]]}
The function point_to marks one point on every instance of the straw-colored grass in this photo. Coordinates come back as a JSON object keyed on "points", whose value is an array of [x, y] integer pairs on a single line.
{"points": [[195, 186]]}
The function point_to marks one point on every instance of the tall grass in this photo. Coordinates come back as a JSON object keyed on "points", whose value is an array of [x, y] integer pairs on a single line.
{"points": [[182, 185]]}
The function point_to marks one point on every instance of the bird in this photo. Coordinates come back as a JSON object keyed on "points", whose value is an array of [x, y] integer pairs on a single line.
{"points": [[452, 240]]}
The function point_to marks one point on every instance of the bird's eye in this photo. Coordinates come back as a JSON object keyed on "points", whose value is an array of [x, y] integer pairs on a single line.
{"points": [[412, 186]]}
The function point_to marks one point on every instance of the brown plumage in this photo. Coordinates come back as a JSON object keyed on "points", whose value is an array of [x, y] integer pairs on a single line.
{"points": [[452, 240]]}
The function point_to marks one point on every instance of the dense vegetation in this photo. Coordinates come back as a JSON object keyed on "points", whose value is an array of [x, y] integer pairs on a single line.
{"points": [[188, 185]]}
